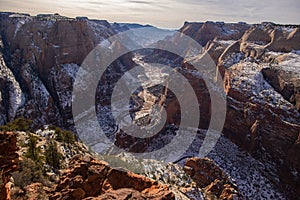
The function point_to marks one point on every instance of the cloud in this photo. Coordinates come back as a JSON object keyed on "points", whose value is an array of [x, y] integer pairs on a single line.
{"points": [[97, 3], [167, 13], [141, 2]]}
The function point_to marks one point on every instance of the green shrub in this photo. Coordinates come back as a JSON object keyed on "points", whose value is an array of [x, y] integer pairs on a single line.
{"points": [[65, 136], [69, 137], [19, 124], [33, 151], [29, 172], [53, 157]]}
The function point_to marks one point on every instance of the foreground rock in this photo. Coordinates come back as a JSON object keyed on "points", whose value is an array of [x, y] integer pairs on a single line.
{"points": [[8, 162], [92, 179]]}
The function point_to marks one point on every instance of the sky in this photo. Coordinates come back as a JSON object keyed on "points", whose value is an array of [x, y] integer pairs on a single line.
{"points": [[165, 13]]}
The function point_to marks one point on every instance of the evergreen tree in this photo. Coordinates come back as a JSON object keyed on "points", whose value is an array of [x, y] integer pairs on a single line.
{"points": [[53, 157], [59, 134], [33, 152], [69, 137]]}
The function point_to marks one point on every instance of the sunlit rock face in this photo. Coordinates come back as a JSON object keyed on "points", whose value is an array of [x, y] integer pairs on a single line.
{"points": [[43, 54]]}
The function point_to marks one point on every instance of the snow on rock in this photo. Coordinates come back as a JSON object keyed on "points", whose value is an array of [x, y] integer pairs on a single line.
{"points": [[247, 77], [22, 19], [39, 91], [226, 42], [249, 174], [71, 69], [291, 63], [14, 90], [101, 29], [233, 59]]}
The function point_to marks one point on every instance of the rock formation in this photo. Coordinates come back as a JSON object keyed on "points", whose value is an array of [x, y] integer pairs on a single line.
{"points": [[8, 162], [209, 176], [88, 178], [261, 118], [36, 49], [285, 78]]}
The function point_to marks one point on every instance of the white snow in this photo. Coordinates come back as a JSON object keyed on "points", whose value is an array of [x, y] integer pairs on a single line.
{"points": [[247, 77], [40, 93], [288, 29], [226, 42], [46, 132], [15, 93], [71, 69], [100, 30], [248, 173], [233, 59], [22, 19], [105, 43], [291, 64]]}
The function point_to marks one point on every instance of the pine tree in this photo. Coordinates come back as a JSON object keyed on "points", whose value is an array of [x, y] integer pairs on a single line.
{"points": [[33, 152], [53, 157], [69, 137]]}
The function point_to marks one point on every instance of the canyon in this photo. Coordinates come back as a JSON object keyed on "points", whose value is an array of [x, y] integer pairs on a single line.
{"points": [[259, 66]]}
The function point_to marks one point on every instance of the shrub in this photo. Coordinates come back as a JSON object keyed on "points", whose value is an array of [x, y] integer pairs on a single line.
{"points": [[19, 124], [64, 135], [53, 157], [69, 137], [29, 172], [33, 151]]}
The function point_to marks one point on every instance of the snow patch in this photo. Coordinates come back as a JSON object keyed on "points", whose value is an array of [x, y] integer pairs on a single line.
{"points": [[71, 69], [22, 19]]}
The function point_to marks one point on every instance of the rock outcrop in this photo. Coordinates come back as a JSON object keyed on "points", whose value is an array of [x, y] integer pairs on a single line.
{"points": [[253, 40], [211, 178], [204, 32], [285, 39], [284, 77], [10, 91], [265, 125], [88, 178], [8, 162]]}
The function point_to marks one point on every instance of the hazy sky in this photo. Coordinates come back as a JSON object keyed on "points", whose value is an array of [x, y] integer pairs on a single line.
{"points": [[165, 13]]}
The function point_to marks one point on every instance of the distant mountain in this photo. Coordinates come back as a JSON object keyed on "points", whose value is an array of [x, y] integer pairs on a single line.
{"points": [[143, 34], [128, 26]]}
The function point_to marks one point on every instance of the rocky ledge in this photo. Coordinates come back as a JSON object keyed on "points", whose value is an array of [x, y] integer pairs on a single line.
{"points": [[88, 178]]}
